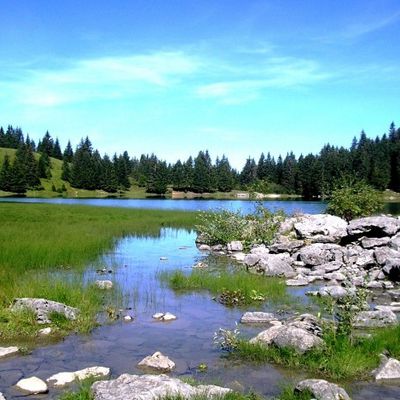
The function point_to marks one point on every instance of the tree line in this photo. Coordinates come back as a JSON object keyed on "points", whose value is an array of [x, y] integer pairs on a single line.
{"points": [[375, 161]]}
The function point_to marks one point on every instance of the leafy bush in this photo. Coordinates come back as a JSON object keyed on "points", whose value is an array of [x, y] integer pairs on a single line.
{"points": [[352, 199], [223, 226]]}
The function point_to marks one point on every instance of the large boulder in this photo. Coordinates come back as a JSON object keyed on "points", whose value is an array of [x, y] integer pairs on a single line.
{"points": [[297, 338], [276, 265], [321, 253], [383, 254], [369, 243], [374, 226], [375, 319], [43, 308], [322, 390], [321, 228], [152, 387]]}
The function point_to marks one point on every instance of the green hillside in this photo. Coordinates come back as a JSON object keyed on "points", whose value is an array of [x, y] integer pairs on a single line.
{"points": [[56, 180]]}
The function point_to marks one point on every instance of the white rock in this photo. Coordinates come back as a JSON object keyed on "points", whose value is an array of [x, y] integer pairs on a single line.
{"points": [[164, 316], [32, 385], [204, 247], [128, 318], [2, 397], [388, 369], [45, 331], [63, 378], [158, 315], [235, 245], [200, 264], [158, 362], [8, 351], [104, 284], [257, 317]]}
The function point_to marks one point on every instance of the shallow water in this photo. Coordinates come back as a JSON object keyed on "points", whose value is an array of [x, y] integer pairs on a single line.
{"points": [[188, 340]]}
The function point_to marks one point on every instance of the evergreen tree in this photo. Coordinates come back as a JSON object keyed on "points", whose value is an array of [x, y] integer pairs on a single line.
{"points": [[178, 176], [202, 173], [109, 181], [6, 175], [249, 172], [66, 171], [158, 178], [289, 173], [56, 153], [44, 167], [225, 179], [122, 172], [46, 145], [83, 168], [68, 153]]}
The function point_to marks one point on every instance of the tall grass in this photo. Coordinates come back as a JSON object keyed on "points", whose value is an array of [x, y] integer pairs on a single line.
{"points": [[250, 286], [38, 239], [339, 359]]}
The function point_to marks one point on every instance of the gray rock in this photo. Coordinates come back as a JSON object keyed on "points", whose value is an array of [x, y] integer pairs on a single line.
{"points": [[392, 268], [299, 280], [152, 387], [239, 256], [8, 351], [308, 322], [331, 266], [284, 245], [321, 253], [375, 319], [276, 265], [369, 243], [257, 317], [287, 225], [158, 362], [104, 284], [204, 247], [251, 259], [383, 254], [42, 308], [389, 368], [336, 291], [395, 242], [394, 294], [235, 245], [321, 228], [338, 276], [322, 390], [365, 259], [379, 226], [266, 337], [297, 338]]}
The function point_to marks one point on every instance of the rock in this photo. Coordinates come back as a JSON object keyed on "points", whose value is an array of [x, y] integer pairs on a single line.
{"points": [[284, 245], [321, 253], [2, 396], [104, 285], [128, 318], [43, 308], [259, 249], [276, 265], [395, 307], [389, 368], [383, 254], [369, 243], [374, 319], [235, 245], [296, 338], [163, 258], [239, 256], [308, 322], [251, 259], [287, 225], [331, 266], [322, 390], [394, 294], [321, 228], [395, 242], [299, 280], [200, 265], [152, 387], [336, 291], [365, 258], [266, 337], [164, 316], [392, 269], [338, 276], [257, 317], [32, 385], [45, 331], [63, 378], [158, 362], [204, 247], [8, 351], [374, 226]]}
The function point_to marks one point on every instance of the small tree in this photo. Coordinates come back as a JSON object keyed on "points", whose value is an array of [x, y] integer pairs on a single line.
{"points": [[352, 199]]}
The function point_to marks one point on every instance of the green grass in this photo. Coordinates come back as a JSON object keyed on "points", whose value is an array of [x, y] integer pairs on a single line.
{"points": [[339, 360], [83, 391], [37, 240], [250, 286]]}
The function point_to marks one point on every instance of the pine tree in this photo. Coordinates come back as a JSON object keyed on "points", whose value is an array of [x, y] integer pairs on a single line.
{"points": [[6, 175], [202, 173], [249, 172], [66, 171], [225, 179], [46, 145], [44, 167], [68, 153], [56, 153], [109, 181], [158, 178]]}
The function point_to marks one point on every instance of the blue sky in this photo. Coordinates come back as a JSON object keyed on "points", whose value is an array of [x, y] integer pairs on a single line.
{"points": [[174, 77]]}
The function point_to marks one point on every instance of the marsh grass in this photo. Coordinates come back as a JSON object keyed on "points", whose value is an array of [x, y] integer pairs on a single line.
{"points": [[340, 359], [44, 249], [251, 287]]}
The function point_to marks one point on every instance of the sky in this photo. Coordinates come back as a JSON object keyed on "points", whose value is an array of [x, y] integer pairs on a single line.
{"points": [[173, 77]]}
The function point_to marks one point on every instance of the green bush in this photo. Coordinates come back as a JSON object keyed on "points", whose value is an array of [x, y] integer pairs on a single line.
{"points": [[353, 199]]}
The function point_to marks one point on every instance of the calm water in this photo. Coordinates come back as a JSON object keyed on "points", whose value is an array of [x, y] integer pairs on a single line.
{"points": [[188, 340]]}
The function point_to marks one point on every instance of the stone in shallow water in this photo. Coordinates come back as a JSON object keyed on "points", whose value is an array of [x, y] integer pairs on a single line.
{"points": [[257, 317], [297, 338], [158, 362], [32, 385], [152, 387], [164, 316], [63, 378], [8, 351], [105, 284], [2, 396], [375, 319], [322, 390]]}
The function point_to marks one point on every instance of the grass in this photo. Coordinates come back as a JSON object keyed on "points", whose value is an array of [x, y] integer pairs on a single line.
{"points": [[83, 391], [252, 288], [339, 360], [36, 240]]}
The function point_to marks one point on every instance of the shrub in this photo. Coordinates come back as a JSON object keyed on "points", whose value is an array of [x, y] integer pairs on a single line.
{"points": [[353, 199]]}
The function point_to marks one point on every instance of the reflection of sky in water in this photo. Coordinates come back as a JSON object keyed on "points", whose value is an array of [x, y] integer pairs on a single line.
{"points": [[188, 340]]}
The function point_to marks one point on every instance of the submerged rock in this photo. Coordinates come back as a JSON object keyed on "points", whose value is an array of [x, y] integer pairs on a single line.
{"points": [[8, 351], [389, 368], [42, 308], [322, 390], [104, 284], [164, 316], [152, 387], [158, 362], [32, 385]]}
